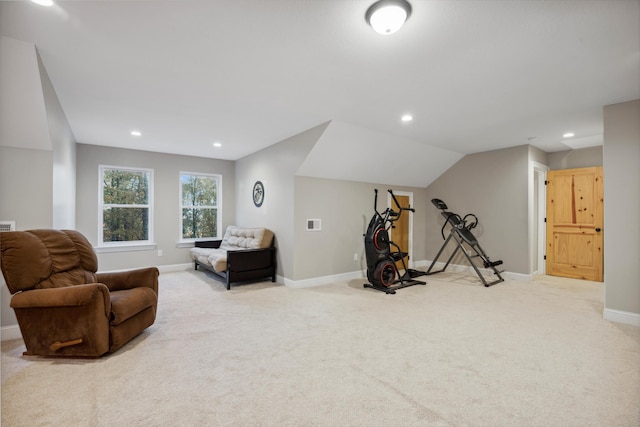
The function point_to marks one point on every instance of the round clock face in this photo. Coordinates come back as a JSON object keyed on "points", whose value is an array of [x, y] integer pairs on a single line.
{"points": [[258, 193]]}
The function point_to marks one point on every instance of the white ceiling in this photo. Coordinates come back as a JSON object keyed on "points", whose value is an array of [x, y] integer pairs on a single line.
{"points": [[476, 75]]}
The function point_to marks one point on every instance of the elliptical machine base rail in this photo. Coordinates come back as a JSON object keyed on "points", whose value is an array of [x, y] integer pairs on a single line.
{"points": [[406, 280]]}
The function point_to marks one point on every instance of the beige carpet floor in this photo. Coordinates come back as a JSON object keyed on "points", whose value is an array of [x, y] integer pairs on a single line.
{"points": [[451, 353]]}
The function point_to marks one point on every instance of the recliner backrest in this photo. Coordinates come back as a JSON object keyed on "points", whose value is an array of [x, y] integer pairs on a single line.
{"points": [[39, 259]]}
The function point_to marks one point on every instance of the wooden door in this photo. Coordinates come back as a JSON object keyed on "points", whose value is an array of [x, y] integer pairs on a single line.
{"points": [[575, 208], [400, 230]]}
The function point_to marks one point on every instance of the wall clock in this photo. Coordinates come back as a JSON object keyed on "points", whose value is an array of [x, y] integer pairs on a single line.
{"points": [[258, 193]]}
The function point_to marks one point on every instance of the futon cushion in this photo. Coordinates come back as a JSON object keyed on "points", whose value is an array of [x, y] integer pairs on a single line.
{"points": [[214, 257], [246, 238], [202, 254], [128, 303]]}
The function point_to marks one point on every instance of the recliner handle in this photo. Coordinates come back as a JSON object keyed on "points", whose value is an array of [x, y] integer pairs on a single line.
{"points": [[58, 345]]}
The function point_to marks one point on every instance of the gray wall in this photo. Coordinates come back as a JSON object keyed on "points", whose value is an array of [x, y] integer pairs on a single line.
{"points": [[166, 170], [537, 155], [622, 207], [37, 150], [570, 159], [23, 117], [493, 185], [345, 208], [25, 197], [63, 145], [275, 166]]}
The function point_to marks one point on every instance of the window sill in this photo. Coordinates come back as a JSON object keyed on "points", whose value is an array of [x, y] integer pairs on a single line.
{"points": [[184, 244], [125, 248]]}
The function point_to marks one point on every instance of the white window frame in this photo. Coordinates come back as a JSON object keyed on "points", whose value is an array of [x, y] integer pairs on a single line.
{"points": [[120, 245], [218, 207]]}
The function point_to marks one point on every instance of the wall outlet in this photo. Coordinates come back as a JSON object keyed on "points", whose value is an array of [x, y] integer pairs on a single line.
{"points": [[355, 256], [314, 224], [160, 252]]}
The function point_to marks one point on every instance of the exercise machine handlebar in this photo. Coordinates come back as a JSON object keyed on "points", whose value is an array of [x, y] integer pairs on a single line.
{"points": [[393, 196], [454, 219]]}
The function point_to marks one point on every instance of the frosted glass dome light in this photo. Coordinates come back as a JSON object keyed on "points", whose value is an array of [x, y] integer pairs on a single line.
{"points": [[388, 16]]}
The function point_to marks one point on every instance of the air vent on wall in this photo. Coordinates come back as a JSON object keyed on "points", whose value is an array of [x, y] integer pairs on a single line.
{"points": [[314, 225], [7, 226]]}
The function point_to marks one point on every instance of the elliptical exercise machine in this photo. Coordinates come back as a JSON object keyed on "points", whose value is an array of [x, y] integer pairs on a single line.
{"points": [[461, 234], [382, 271]]}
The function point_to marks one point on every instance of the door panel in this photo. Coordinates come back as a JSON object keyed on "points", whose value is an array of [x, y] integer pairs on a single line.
{"points": [[400, 230], [575, 206]]}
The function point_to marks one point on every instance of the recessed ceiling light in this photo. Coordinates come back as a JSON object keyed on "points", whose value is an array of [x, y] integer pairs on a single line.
{"points": [[136, 133], [217, 144], [407, 118], [569, 135], [43, 2]]}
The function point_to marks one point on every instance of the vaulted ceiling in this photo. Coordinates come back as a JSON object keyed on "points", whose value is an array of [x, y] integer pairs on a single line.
{"points": [[476, 75]]}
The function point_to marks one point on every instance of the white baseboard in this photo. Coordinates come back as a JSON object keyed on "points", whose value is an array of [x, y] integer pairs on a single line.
{"points": [[518, 276], [486, 272], [162, 268], [422, 265], [10, 332], [175, 267], [618, 316], [323, 280]]}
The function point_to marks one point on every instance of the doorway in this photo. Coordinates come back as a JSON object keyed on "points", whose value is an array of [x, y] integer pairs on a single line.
{"points": [[537, 215], [402, 231], [575, 213]]}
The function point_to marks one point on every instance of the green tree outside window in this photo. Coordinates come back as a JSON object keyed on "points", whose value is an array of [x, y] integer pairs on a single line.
{"points": [[126, 205], [199, 204]]}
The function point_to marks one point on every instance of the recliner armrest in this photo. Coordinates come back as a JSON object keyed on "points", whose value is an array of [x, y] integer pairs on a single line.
{"points": [[69, 296], [121, 280]]}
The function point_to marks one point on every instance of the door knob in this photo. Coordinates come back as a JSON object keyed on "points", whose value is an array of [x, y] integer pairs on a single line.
{"points": [[597, 229]]}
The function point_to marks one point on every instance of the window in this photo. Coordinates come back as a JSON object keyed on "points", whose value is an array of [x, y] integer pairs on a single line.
{"points": [[125, 211], [200, 205]]}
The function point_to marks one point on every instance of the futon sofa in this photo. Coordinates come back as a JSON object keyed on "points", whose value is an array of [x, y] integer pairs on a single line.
{"points": [[243, 254]]}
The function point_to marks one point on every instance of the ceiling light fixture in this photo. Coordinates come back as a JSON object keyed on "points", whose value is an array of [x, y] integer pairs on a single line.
{"points": [[43, 2], [406, 118], [569, 135], [136, 133], [388, 16], [217, 144]]}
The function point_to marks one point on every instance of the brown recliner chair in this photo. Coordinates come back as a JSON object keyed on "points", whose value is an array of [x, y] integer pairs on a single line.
{"points": [[63, 307]]}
